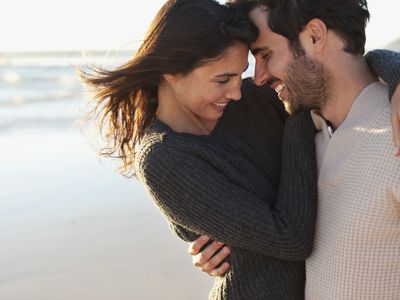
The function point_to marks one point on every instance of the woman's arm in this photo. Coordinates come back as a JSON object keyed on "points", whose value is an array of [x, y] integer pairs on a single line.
{"points": [[386, 65], [194, 195]]}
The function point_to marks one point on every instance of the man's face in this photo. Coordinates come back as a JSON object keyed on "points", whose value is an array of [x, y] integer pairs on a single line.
{"points": [[272, 53], [301, 82]]}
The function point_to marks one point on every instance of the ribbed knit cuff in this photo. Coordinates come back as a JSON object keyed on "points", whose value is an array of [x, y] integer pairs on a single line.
{"points": [[301, 125], [386, 65]]}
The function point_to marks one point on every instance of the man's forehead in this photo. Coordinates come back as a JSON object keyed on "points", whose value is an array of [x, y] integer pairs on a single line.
{"points": [[259, 17]]}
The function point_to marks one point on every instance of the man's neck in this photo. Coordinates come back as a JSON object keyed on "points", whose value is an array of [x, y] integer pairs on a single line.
{"points": [[349, 77]]}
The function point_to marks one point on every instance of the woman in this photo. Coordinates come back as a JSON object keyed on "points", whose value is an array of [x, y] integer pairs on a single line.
{"points": [[212, 163]]}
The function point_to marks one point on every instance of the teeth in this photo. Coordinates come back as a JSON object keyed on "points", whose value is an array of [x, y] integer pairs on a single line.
{"points": [[221, 104], [279, 88]]}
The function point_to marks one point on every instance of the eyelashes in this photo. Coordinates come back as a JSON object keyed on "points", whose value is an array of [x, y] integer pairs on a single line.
{"points": [[223, 81]]}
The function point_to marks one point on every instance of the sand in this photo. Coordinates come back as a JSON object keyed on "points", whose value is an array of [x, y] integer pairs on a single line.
{"points": [[72, 228]]}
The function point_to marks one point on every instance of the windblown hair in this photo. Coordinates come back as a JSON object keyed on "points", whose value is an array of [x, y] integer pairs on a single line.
{"points": [[348, 18], [185, 34]]}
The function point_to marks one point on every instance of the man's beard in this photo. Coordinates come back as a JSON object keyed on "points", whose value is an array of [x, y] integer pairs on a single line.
{"points": [[308, 83]]}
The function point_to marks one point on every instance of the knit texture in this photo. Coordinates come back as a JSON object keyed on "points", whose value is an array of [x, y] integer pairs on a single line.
{"points": [[357, 241], [226, 185], [386, 65]]}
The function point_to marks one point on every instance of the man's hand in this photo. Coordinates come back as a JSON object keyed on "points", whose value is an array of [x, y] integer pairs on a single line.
{"points": [[396, 118], [208, 259]]}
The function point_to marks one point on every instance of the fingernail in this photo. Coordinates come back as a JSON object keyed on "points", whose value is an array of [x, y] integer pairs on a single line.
{"points": [[219, 243], [226, 250]]}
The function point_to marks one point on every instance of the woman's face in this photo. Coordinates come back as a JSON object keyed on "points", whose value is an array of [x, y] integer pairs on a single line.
{"points": [[202, 95]]}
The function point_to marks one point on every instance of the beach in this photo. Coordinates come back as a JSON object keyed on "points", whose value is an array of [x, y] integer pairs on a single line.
{"points": [[71, 227]]}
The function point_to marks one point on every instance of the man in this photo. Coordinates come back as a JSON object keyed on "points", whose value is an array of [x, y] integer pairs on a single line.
{"points": [[311, 53]]}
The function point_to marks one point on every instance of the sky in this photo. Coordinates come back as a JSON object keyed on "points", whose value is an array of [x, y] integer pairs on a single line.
{"points": [[52, 25]]}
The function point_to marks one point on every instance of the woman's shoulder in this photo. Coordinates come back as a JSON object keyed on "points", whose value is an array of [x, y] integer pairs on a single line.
{"points": [[158, 138], [258, 112], [257, 103], [161, 147], [262, 98]]}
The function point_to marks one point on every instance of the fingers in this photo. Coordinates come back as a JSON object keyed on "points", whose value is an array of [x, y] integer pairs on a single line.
{"points": [[210, 266], [209, 259], [396, 118], [204, 256], [221, 270], [396, 131], [194, 247]]}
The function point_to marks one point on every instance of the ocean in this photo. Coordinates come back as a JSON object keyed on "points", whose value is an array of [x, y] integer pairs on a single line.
{"points": [[41, 90]]}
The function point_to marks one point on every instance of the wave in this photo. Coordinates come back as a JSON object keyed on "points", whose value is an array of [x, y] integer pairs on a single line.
{"points": [[48, 123], [35, 99]]}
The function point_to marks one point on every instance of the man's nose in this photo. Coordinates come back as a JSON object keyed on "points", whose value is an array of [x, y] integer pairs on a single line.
{"points": [[261, 74]]}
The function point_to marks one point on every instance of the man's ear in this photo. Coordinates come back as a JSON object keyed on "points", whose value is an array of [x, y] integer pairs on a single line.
{"points": [[314, 36]]}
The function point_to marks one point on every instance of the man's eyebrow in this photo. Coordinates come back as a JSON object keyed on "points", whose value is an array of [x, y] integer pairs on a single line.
{"points": [[258, 49]]}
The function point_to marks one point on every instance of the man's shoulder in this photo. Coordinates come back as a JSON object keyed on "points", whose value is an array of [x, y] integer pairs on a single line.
{"points": [[371, 105]]}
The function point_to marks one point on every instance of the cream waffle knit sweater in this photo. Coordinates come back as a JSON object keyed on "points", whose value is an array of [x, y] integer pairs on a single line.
{"points": [[356, 251]]}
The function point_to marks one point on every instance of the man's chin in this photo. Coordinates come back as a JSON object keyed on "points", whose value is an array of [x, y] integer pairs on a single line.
{"points": [[288, 107], [292, 109], [284, 95]]}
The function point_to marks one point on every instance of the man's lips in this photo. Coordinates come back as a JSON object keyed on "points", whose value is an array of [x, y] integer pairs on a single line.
{"points": [[278, 86], [275, 84], [278, 89]]}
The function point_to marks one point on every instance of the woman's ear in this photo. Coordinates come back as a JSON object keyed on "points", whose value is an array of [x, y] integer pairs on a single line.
{"points": [[171, 78]]}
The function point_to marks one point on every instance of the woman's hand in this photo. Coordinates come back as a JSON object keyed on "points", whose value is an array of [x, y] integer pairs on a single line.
{"points": [[209, 259], [396, 118]]}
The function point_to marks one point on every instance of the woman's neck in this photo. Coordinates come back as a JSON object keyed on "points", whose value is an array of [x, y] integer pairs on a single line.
{"points": [[179, 118]]}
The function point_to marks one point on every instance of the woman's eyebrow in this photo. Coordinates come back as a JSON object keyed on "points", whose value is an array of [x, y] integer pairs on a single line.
{"points": [[227, 74]]}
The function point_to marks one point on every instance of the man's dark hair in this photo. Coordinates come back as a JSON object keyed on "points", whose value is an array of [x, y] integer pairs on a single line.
{"points": [[347, 18]]}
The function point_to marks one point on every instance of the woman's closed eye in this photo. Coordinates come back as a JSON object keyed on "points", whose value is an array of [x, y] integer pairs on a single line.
{"points": [[224, 81]]}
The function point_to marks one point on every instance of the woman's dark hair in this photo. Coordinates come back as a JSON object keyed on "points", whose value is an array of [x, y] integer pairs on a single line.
{"points": [[347, 18], [184, 35]]}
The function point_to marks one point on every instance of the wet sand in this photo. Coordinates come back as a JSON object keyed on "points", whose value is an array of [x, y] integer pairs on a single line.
{"points": [[72, 228]]}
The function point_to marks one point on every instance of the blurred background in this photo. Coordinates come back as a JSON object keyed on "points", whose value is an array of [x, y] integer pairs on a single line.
{"points": [[71, 227]]}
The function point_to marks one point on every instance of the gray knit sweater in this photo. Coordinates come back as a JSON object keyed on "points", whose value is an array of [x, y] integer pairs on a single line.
{"points": [[226, 185]]}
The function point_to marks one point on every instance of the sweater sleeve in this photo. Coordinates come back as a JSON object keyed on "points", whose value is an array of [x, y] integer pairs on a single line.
{"points": [[197, 197], [386, 65]]}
